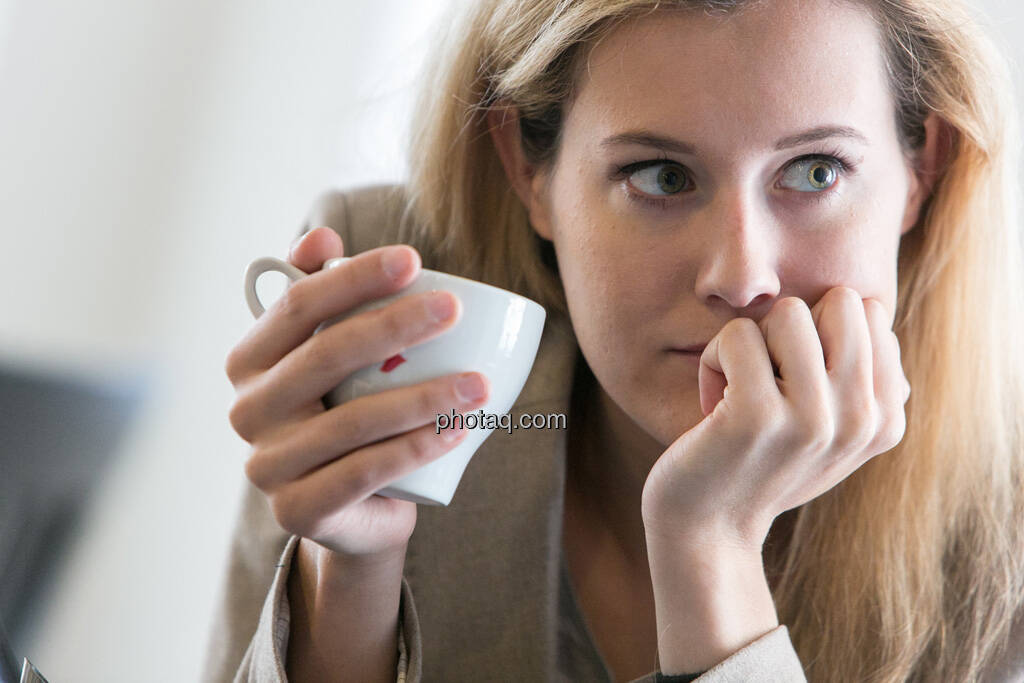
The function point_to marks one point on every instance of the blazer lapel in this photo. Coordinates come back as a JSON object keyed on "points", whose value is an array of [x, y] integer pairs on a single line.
{"points": [[484, 571]]}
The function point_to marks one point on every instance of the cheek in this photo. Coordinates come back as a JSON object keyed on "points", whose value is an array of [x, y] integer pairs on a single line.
{"points": [[619, 304], [616, 292], [608, 283], [857, 248], [606, 271]]}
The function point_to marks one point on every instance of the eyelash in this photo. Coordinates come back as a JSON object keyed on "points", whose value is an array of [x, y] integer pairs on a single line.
{"points": [[842, 163]]}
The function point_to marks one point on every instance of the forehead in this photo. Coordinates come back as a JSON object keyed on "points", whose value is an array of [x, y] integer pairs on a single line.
{"points": [[748, 77]]}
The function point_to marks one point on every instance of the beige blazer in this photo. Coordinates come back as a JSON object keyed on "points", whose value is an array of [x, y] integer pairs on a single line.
{"points": [[485, 591]]}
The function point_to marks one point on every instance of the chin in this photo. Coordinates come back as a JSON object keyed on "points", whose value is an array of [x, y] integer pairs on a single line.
{"points": [[666, 420]]}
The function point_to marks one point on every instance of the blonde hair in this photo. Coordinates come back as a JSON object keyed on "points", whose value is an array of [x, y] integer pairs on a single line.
{"points": [[913, 567]]}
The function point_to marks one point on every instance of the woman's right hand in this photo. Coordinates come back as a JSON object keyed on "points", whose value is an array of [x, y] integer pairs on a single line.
{"points": [[320, 468]]}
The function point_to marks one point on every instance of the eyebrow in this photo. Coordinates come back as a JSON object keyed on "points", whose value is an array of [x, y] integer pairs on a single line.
{"points": [[649, 139]]}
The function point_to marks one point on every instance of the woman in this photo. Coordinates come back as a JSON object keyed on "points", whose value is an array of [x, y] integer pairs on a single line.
{"points": [[760, 220]]}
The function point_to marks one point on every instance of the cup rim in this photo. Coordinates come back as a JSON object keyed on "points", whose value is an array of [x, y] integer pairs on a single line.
{"points": [[329, 263]]}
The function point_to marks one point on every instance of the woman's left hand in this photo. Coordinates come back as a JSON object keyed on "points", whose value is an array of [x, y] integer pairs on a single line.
{"points": [[768, 442]]}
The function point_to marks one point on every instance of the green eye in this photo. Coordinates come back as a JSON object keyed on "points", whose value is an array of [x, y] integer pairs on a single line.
{"points": [[810, 175], [821, 175], [659, 179], [670, 180]]}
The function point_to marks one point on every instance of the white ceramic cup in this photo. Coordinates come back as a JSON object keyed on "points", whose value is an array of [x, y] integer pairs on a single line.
{"points": [[498, 335]]}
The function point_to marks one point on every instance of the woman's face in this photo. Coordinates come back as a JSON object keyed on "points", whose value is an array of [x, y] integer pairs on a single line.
{"points": [[710, 166]]}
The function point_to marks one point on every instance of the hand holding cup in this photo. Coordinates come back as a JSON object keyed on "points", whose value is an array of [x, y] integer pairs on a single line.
{"points": [[321, 467]]}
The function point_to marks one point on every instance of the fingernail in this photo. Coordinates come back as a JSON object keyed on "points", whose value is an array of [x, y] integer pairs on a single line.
{"points": [[441, 306], [395, 262], [295, 243], [470, 387]]}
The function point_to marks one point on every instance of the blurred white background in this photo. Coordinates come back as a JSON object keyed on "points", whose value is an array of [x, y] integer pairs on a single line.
{"points": [[148, 150]]}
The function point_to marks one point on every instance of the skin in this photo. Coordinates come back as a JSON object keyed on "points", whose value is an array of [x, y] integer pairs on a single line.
{"points": [[692, 458]]}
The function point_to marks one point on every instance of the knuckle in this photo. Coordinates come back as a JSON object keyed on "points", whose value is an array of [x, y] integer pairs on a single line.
{"points": [[892, 431], [420, 446], [233, 364], [239, 415], [294, 302], [256, 469], [427, 446], [428, 402], [860, 424], [353, 423], [765, 417], [390, 323], [290, 511], [861, 407], [856, 436], [320, 352], [358, 480], [815, 433]]}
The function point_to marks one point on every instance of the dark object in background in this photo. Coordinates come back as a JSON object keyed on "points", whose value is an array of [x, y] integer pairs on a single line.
{"points": [[8, 663], [58, 436]]}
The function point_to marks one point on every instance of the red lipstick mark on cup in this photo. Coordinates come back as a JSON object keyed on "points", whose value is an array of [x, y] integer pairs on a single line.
{"points": [[392, 363]]}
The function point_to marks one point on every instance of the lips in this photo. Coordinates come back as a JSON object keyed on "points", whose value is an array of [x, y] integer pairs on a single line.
{"points": [[693, 348]]}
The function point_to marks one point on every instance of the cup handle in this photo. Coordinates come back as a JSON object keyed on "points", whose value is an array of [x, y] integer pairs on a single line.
{"points": [[257, 268]]}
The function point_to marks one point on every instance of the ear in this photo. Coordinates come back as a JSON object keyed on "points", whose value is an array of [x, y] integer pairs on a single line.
{"points": [[528, 182], [927, 164]]}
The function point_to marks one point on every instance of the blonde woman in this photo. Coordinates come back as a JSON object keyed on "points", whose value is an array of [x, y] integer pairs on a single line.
{"points": [[751, 224]]}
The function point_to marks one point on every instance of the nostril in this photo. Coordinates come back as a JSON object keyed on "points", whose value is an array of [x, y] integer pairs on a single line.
{"points": [[759, 300], [742, 302]]}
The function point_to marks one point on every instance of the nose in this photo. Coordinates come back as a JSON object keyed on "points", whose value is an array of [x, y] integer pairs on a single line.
{"points": [[739, 262]]}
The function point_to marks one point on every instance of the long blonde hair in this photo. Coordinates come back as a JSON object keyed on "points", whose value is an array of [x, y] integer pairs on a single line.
{"points": [[913, 567]]}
